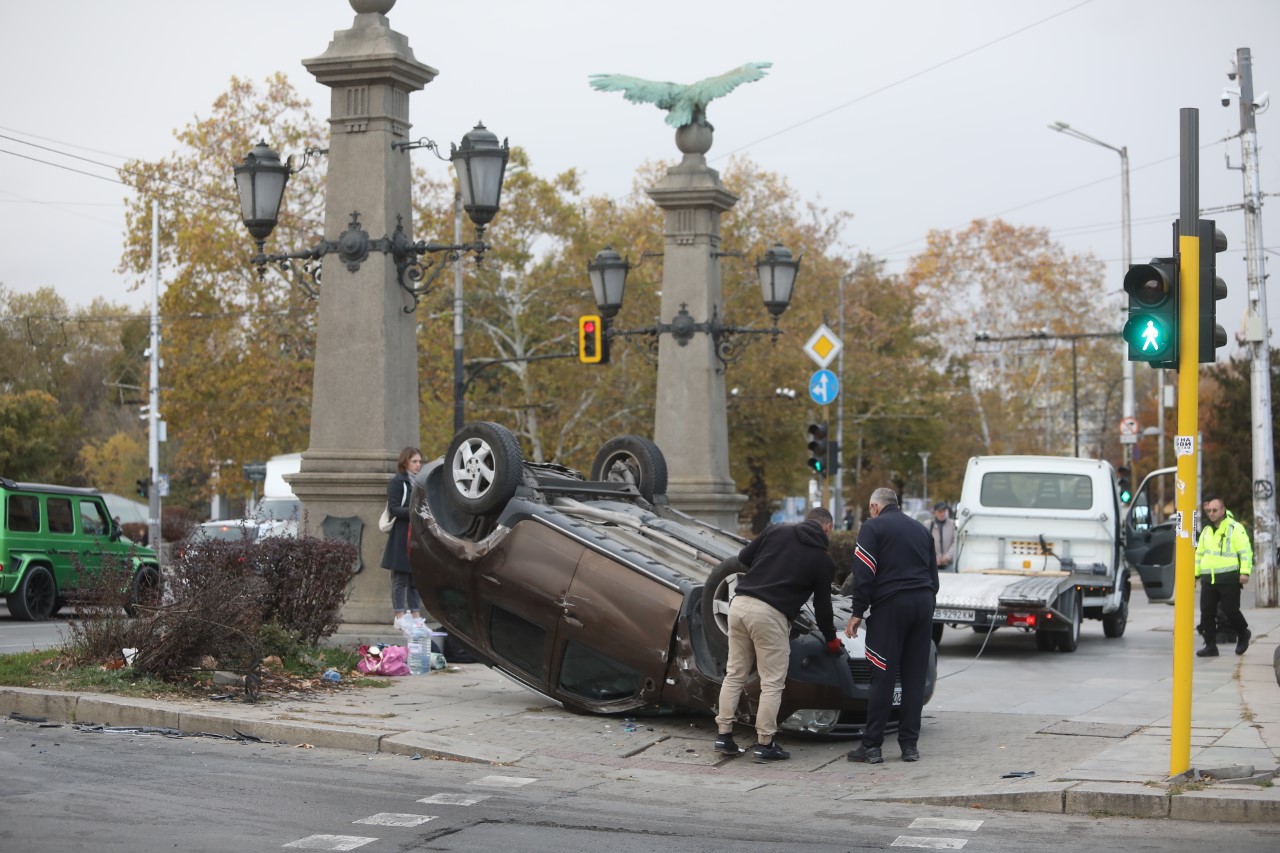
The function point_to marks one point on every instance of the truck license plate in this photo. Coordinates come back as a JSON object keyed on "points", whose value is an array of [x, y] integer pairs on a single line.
{"points": [[945, 615], [897, 695]]}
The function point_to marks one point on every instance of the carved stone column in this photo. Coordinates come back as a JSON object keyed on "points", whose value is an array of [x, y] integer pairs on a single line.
{"points": [[365, 399], [690, 421]]}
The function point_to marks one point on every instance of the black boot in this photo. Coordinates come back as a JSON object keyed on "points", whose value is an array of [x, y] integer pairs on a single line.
{"points": [[1210, 650], [1242, 644]]}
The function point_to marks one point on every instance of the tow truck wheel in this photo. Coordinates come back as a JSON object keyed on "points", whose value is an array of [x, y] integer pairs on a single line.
{"points": [[632, 459], [1068, 640], [485, 465], [1113, 623]]}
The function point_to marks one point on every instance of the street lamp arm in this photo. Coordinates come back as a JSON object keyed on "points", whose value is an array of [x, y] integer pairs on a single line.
{"points": [[1064, 128], [475, 368]]}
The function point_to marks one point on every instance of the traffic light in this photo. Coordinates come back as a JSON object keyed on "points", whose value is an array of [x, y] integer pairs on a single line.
{"points": [[818, 448], [1212, 288], [1123, 485], [833, 457], [141, 487], [1152, 328], [593, 345]]}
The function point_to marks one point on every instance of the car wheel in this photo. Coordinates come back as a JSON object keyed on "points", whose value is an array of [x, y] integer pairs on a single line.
{"points": [[632, 459], [34, 597], [1068, 640], [1113, 624], [715, 604], [485, 467], [146, 591]]}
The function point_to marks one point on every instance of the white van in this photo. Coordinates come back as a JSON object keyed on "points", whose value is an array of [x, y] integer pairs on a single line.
{"points": [[1038, 548]]}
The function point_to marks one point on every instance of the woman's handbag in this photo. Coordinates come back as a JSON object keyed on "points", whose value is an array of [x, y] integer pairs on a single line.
{"points": [[385, 521]]}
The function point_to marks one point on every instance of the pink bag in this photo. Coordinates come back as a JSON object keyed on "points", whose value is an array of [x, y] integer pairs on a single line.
{"points": [[395, 660]]}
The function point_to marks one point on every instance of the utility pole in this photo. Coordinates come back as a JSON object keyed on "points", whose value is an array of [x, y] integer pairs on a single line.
{"points": [[153, 399], [1256, 337], [837, 484]]}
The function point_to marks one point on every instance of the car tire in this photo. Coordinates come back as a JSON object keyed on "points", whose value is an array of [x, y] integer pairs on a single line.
{"points": [[1069, 639], [33, 599], [145, 593], [632, 459], [484, 466], [1113, 624], [716, 594]]}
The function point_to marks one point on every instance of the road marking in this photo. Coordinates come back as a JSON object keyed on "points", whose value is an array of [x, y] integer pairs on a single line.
{"points": [[930, 843], [945, 823], [454, 799], [502, 781], [396, 819], [329, 842]]}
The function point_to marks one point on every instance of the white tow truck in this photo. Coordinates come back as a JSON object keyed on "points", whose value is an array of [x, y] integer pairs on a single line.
{"points": [[1038, 548]]}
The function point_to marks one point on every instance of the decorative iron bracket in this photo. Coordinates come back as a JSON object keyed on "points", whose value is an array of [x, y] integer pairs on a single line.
{"points": [[729, 341]]}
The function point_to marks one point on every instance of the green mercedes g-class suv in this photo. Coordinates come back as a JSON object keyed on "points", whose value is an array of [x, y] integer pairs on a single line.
{"points": [[50, 535]]}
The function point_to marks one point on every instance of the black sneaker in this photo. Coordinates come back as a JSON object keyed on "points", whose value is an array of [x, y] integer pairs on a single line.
{"points": [[1242, 644], [1209, 652], [770, 751], [910, 753], [727, 745], [866, 755]]}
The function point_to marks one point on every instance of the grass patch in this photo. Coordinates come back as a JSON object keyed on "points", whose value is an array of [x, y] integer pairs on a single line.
{"points": [[21, 669]]}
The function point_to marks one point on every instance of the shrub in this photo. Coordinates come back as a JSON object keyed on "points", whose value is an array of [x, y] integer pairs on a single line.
{"points": [[307, 582]]}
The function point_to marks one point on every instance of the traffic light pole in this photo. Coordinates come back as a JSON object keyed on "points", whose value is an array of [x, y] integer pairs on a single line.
{"points": [[153, 399], [1186, 442]]}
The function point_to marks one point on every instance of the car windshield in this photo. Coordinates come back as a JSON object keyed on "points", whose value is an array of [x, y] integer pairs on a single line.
{"points": [[281, 508], [1036, 490]]}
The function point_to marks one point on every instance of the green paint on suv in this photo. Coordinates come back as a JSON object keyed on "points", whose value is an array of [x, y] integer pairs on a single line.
{"points": [[49, 535]]}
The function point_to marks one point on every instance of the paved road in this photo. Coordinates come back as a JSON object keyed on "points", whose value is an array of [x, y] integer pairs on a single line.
{"points": [[201, 794], [18, 636]]}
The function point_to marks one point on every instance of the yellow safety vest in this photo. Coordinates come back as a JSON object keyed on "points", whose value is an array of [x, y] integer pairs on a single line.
{"points": [[1226, 549]]}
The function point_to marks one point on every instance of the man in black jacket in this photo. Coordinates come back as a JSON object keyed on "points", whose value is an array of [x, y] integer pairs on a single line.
{"points": [[897, 574], [786, 564]]}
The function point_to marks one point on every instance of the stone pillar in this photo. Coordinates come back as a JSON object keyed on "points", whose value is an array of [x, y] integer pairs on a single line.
{"points": [[690, 421], [364, 406]]}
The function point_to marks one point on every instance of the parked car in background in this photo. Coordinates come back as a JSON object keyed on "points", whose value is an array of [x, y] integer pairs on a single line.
{"points": [[50, 535], [594, 591]]}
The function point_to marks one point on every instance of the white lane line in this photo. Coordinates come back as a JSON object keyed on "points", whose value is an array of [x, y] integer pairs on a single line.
{"points": [[930, 843], [395, 819], [945, 823], [454, 799], [502, 781], [329, 842]]}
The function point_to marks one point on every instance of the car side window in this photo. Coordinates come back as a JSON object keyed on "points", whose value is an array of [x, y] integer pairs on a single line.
{"points": [[60, 517], [23, 514], [93, 519], [593, 675]]}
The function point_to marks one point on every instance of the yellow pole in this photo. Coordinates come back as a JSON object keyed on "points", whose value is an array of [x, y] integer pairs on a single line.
{"points": [[1184, 604]]}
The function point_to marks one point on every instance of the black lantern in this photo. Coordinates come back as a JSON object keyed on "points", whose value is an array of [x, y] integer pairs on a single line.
{"points": [[777, 271], [608, 279], [260, 180], [481, 163]]}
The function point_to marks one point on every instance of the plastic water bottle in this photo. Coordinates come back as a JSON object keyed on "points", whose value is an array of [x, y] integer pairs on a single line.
{"points": [[419, 651]]}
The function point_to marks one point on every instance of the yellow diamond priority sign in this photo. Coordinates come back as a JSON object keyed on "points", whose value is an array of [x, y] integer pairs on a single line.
{"points": [[823, 346]]}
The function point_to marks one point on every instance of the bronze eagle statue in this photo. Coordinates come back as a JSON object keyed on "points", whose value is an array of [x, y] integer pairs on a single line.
{"points": [[684, 104]]}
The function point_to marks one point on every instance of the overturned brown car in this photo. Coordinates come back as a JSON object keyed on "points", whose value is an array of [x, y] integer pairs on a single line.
{"points": [[595, 592]]}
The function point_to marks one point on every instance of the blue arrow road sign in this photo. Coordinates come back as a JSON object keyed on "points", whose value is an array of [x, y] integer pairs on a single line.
{"points": [[824, 387]]}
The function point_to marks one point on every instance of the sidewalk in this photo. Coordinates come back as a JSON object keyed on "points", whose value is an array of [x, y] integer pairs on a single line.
{"points": [[1097, 745]]}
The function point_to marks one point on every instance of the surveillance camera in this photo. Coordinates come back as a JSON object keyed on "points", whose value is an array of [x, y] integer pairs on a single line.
{"points": [[1226, 101], [1231, 70], [1227, 93], [1261, 103]]}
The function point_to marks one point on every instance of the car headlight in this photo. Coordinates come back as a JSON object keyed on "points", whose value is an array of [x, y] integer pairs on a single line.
{"points": [[811, 721]]}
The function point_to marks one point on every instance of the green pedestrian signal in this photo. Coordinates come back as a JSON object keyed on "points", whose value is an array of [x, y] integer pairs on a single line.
{"points": [[1152, 329]]}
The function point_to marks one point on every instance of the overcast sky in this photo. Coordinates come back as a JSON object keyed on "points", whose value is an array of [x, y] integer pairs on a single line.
{"points": [[910, 115]]}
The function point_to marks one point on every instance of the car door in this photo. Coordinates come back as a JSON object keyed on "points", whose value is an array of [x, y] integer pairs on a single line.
{"points": [[1149, 534], [614, 635], [522, 591]]}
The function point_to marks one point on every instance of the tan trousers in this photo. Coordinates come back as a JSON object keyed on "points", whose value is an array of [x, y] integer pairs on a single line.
{"points": [[759, 638]]}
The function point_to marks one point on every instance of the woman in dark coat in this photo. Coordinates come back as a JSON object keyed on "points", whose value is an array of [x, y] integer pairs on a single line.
{"points": [[404, 597]]}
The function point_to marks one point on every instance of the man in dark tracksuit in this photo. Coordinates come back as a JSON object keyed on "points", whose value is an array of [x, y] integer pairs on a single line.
{"points": [[897, 574]]}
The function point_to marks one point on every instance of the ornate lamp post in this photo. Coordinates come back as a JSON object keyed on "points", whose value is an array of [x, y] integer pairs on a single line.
{"points": [[776, 272]]}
